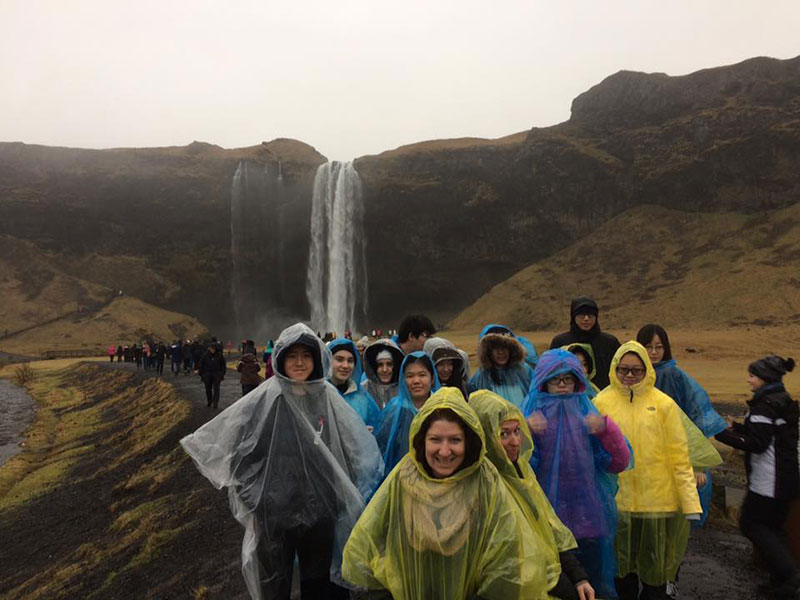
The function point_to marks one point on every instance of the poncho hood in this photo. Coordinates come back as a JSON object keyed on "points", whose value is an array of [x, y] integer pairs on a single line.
{"points": [[342, 343], [414, 356], [452, 399], [516, 353], [531, 356], [371, 361], [590, 351], [300, 333], [646, 385], [559, 362]]}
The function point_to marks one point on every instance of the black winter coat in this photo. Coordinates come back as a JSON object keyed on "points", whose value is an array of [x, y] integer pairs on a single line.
{"points": [[212, 366], [769, 437]]}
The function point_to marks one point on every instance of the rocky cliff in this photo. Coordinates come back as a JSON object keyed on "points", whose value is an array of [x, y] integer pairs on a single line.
{"points": [[445, 220]]}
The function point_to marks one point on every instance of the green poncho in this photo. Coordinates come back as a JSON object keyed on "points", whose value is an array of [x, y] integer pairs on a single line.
{"points": [[455, 538], [553, 535]]}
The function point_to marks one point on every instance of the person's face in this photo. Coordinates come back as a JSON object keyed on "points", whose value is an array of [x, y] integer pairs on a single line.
{"points": [[755, 381], [630, 370], [585, 321], [418, 381], [511, 438], [655, 349], [499, 356], [343, 364], [212, 349], [444, 448], [584, 364], [416, 343], [384, 369], [561, 384], [445, 369], [299, 362]]}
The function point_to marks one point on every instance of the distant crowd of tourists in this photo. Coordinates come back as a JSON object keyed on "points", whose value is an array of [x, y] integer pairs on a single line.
{"points": [[388, 469]]}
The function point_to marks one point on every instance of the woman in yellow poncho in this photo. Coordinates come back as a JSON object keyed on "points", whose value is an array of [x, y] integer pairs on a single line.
{"points": [[509, 447], [658, 497], [443, 526]]}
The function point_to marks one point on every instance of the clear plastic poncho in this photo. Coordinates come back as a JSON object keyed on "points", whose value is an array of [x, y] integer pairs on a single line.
{"points": [[382, 393], [455, 538], [358, 398], [571, 466], [294, 456], [396, 417], [554, 537], [511, 381]]}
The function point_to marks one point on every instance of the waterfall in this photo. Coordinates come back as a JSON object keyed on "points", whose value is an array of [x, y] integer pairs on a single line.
{"points": [[337, 282]]}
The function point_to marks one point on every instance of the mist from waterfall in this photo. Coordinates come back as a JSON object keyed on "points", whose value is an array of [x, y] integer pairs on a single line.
{"points": [[336, 286]]}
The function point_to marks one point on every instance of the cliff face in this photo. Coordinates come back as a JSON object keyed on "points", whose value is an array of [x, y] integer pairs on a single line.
{"points": [[155, 222], [445, 220], [463, 215]]}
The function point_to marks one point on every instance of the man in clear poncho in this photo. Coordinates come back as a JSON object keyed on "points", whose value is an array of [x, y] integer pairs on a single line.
{"points": [[298, 463], [443, 526], [510, 447]]}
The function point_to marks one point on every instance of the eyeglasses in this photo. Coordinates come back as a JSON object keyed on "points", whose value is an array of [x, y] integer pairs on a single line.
{"points": [[563, 380], [635, 371], [656, 348], [586, 315]]}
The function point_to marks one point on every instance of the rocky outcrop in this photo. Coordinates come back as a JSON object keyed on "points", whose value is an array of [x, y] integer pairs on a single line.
{"points": [[445, 220], [461, 216]]}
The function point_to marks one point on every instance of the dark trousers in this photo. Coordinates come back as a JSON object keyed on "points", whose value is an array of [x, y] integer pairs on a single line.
{"points": [[628, 589], [314, 549], [212, 391], [762, 522], [176, 366]]}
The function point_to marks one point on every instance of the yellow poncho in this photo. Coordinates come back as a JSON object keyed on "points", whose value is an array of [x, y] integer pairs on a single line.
{"points": [[654, 496], [455, 538], [662, 480], [553, 535]]}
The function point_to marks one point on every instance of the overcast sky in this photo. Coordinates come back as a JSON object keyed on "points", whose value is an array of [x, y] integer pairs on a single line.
{"points": [[348, 77]]}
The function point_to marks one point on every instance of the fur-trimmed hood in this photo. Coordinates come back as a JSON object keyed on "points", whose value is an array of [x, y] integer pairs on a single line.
{"points": [[516, 353]]}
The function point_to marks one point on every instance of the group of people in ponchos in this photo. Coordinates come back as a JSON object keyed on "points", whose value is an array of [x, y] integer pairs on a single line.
{"points": [[574, 474]]}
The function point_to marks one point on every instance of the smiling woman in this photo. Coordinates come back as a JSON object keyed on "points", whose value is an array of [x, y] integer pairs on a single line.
{"points": [[443, 526]]}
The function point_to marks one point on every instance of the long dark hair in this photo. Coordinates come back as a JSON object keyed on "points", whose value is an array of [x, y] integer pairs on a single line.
{"points": [[472, 442], [648, 332]]}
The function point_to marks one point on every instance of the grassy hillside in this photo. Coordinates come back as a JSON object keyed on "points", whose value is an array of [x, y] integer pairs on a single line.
{"points": [[104, 504], [655, 264], [123, 320]]}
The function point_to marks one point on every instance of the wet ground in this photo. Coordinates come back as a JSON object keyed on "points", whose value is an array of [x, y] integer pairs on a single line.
{"points": [[718, 565], [16, 413]]}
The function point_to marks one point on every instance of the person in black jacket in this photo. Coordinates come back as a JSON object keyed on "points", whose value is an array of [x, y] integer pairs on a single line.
{"points": [[769, 437], [212, 371], [585, 329]]}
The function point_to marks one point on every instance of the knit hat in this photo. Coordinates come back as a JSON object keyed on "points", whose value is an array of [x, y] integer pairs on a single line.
{"points": [[771, 368]]}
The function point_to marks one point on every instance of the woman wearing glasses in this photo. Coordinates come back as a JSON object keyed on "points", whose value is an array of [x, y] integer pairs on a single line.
{"points": [[576, 452], [658, 497]]}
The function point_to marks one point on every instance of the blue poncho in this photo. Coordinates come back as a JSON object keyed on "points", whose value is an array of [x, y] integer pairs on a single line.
{"points": [[511, 381], [694, 401], [356, 396], [395, 422], [571, 464], [531, 356]]}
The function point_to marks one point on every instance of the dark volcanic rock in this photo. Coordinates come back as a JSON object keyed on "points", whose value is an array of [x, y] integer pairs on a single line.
{"points": [[445, 220]]}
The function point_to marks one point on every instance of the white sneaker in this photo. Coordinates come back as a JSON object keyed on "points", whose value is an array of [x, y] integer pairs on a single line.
{"points": [[672, 590]]}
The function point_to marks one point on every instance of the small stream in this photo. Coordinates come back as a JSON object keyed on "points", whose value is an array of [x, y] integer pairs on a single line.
{"points": [[16, 413]]}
